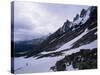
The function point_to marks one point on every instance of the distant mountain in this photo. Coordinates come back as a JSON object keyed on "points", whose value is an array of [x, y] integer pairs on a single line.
{"points": [[21, 47]]}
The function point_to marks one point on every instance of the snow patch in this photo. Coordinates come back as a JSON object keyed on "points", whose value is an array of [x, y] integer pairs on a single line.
{"points": [[70, 67], [76, 22], [52, 41], [87, 46]]}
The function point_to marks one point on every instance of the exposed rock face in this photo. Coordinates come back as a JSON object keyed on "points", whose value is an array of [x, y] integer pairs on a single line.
{"points": [[76, 18], [85, 59], [83, 13], [66, 26]]}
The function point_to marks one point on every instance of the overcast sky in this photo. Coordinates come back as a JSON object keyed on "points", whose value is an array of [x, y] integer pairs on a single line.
{"points": [[33, 20]]}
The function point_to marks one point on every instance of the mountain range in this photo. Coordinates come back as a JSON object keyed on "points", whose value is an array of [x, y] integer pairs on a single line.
{"points": [[86, 21]]}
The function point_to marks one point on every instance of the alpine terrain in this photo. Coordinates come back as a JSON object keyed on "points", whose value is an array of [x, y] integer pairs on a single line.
{"points": [[72, 47]]}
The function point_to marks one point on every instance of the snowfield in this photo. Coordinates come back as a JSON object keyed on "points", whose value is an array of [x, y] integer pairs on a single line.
{"points": [[32, 65]]}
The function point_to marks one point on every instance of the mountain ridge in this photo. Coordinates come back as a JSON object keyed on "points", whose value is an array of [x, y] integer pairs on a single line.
{"points": [[69, 30]]}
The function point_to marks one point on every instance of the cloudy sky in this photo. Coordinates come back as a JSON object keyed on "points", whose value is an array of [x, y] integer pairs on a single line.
{"points": [[33, 20]]}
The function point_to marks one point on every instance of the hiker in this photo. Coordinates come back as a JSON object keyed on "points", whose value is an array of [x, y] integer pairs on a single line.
{"points": [[26, 64]]}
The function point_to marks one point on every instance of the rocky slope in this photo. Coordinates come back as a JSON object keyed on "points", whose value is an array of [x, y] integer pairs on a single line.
{"points": [[85, 21]]}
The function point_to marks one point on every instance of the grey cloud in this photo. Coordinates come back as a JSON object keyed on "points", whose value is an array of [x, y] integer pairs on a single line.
{"points": [[32, 20]]}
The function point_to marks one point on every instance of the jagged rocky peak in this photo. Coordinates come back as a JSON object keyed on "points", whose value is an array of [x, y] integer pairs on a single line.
{"points": [[88, 11], [83, 13], [76, 17], [67, 23], [92, 8], [83, 17], [66, 26], [78, 20]]}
